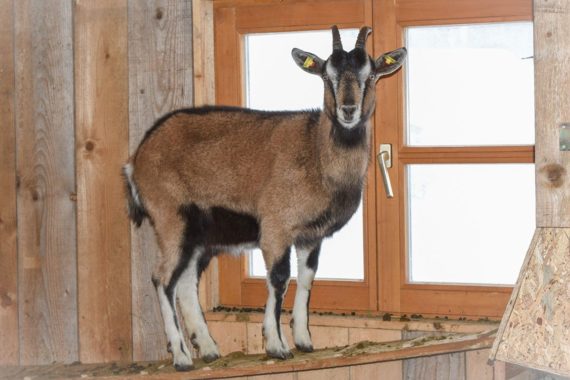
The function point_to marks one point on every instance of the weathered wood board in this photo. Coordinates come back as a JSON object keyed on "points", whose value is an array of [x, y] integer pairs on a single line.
{"points": [[101, 101], [160, 80], [552, 98], [9, 350], [46, 181], [450, 366], [239, 364], [534, 331]]}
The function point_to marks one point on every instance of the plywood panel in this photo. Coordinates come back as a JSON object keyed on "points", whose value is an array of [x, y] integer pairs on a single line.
{"points": [[101, 98], [534, 330], [46, 190], [552, 99], [160, 80], [9, 349]]}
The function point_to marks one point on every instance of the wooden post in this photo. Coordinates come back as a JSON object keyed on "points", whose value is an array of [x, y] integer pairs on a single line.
{"points": [[101, 100], [534, 330]]}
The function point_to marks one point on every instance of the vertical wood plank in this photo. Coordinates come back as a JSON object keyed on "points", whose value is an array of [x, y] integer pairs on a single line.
{"points": [[438, 367], [160, 80], [203, 43], [387, 370], [477, 366], [552, 94], [46, 191], [101, 99], [9, 349]]}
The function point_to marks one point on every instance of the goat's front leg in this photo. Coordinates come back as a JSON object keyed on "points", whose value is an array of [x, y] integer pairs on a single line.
{"points": [[307, 263], [278, 273]]}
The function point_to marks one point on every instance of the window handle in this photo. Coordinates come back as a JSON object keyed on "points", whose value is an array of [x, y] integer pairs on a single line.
{"points": [[385, 161]]}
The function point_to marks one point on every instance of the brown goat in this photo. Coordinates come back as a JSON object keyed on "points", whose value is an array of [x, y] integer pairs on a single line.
{"points": [[220, 179]]}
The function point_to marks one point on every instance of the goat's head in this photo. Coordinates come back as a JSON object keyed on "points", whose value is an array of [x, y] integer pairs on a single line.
{"points": [[350, 77]]}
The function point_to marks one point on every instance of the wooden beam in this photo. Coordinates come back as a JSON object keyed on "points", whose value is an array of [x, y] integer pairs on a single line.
{"points": [[101, 98], [9, 349], [552, 99], [47, 269], [238, 364]]}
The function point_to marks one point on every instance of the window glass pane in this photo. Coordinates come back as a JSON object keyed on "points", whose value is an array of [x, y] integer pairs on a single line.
{"points": [[469, 223], [470, 85], [274, 82]]}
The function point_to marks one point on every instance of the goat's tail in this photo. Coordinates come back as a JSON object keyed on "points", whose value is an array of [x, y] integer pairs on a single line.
{"points": [[135, 206]]}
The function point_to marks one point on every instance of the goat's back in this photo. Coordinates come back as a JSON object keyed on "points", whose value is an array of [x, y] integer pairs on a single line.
{"points": [[224, 156]]}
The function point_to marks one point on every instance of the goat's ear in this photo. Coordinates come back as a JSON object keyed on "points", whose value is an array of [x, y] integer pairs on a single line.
{"points": [[308, 61], [389, 62]]}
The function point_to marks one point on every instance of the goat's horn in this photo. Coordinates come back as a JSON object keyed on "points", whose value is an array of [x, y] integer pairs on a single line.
{"points": [[337, 43], [362, 36]]}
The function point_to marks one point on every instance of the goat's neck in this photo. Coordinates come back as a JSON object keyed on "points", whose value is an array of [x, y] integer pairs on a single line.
{"points": [[343, 154]]}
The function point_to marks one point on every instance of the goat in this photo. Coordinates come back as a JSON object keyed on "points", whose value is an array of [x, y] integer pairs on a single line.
{"points": [[222, 179]]}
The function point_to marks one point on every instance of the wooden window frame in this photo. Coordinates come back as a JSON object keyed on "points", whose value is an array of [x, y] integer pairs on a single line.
{"points": [[385, 287], [396, 293], [233, 20]]}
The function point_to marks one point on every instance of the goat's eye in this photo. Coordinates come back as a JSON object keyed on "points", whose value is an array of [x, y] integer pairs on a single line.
{"points": [[371, 77], [325, 77]]}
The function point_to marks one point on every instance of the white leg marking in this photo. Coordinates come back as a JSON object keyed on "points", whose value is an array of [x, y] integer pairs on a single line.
{"points": [[192, 311], [274, 345], [305, 277], [180, 352]]}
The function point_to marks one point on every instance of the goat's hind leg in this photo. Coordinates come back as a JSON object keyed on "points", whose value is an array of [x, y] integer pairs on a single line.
{"points": [[165, 279], [181, 354], [190, 305]]}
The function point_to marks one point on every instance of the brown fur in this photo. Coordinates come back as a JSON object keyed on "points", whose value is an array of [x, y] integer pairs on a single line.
{"points": [[279, 169]]}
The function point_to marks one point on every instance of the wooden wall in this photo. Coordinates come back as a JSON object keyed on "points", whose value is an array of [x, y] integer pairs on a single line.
{"points": [[80, 82]]}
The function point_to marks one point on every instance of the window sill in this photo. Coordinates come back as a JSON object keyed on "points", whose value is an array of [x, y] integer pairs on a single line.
{"points": [[402, 323]]}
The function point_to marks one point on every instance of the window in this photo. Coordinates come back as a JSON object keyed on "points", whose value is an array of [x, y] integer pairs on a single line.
{"points": [[257, 71], [460, 121]]}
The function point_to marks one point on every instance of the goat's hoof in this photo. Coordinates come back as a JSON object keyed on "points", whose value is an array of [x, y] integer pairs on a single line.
{"points": [[183, 367], [304, 348], [283, 355], [210, 357]]}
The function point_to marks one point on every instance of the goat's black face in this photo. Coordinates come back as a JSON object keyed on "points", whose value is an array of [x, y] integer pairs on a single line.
{"points": [[350, 77]]}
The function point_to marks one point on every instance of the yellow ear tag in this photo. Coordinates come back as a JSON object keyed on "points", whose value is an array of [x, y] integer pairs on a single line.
{"points": [[309, 63], [389, 60]]}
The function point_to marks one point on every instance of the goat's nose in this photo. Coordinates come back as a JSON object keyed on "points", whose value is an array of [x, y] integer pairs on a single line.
{"points": [[348, 111]]}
